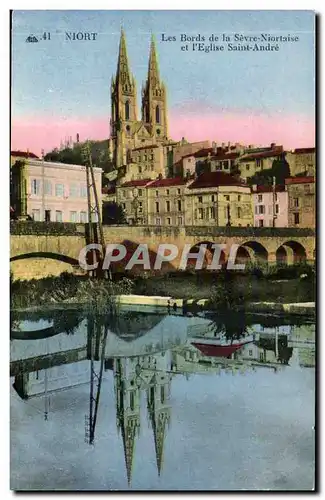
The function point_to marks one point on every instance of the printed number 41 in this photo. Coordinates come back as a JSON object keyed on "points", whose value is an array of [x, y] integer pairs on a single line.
{"points": [[46, 36]]}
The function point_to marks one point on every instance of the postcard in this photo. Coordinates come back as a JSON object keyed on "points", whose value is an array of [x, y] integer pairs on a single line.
{"points": [[162, 250]]}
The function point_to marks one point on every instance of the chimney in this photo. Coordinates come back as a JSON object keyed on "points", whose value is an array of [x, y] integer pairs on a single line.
{"points": [[273, 145]]}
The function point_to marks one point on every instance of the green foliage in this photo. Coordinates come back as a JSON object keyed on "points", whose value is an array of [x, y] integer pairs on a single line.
{"points": [[72, 155], [113, 213]]}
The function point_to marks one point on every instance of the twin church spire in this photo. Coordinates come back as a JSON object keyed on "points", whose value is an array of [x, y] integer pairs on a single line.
{"points": [[127, 132]]}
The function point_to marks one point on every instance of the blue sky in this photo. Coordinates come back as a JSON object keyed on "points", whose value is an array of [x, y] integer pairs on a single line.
{"points": [[58, 79]]}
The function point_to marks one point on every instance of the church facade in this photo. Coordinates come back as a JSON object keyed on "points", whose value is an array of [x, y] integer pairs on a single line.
{"points": [[139, 147]]}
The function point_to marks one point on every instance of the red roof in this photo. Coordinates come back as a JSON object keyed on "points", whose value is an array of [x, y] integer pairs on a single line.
{"points": [[203, 152], [263, 154], [301, 151], [23, 154], [175, 181], [300, 180], [225, 156], [214, 179], [268, 189], [150, 146], [135, 183], [218, 351]]}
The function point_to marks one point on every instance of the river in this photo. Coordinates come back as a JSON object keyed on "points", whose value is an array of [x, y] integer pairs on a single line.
{"points": [[176, 409]]}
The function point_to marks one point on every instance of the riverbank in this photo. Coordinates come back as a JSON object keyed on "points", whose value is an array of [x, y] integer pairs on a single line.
{"points": [[180, 290]]}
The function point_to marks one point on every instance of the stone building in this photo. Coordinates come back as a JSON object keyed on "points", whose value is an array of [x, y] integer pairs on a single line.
{"points": [[50, 191], [132, 196], [127, 132], [270, 208], [166, 202], [219, 199], [253, 161], [301, 201], [302, 161]]}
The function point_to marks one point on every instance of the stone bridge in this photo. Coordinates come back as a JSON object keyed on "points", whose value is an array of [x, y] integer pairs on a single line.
{"points": [[41, 249]]}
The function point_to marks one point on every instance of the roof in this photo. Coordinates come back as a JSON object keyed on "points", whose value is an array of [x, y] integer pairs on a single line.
{"points": [[175, 181], [301, 151], [150, 146], [300, 180], [23, 154], [136, 183], [269, 189], [214, 179], [263, 154], [225, 156]]}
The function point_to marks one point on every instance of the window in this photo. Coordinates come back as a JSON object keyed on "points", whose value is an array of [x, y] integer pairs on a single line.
{"points": [[276, 209], [157, 207], [47, 215], [225, 165], [58, 216], [127, 110], [59, 189], [83, 191], [140, 207], [260, 198], [158, 221], [261, 223], [200, 199], [73, 216], [212, 197], [145, 157], [157, 193], [123, 206], [36, 214], [239, 197], [132, 400], [47, 187], [168, 221], [167, 206], [200, 213], [140, 170], [83, 217], [259, 163], [151, 157], [139, 192], [261, 209], [247, 166], [179, 205], [275, 196], [73, 191], [36, 186], [157, 115], [296, 218], [212, 213], [239, 212], [162, 394], [296, 202], [180, 221], [227, 197], [250, 352], [167, 192]]}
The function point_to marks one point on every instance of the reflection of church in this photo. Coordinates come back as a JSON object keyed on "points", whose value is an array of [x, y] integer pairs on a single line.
{"points": [[132, 376]]}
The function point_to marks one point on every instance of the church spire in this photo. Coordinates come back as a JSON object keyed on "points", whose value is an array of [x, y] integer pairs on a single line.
{"points": [[153, 70], [123, 74]]}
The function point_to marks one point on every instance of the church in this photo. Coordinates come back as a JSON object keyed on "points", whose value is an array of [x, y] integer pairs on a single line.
{"points": [[139, 148]]}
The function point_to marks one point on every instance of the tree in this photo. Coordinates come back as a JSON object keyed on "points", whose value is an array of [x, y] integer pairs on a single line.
{"points": [[113, 213]]}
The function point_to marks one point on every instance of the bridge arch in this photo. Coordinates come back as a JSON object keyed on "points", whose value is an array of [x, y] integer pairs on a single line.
{"points": [[46, 255], [252, 251], [291, 252], [208, 256]]}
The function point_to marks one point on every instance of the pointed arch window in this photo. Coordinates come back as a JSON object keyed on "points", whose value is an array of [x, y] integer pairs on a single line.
{"points": [[127, 110], [157, 114]]}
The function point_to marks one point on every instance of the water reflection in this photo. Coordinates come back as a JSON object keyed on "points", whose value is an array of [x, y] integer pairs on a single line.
{"points": [[145, 353]]}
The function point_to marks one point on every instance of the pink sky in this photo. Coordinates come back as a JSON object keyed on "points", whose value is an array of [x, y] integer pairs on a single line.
{"points": [[293, 131]]}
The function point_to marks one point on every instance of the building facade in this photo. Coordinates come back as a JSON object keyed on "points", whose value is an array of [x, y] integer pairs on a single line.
{"points": [[254, 161], [132, 197], [302, 161], [48, 191], [166, 202], [270, 208], [218, 199], [301, 201]]}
